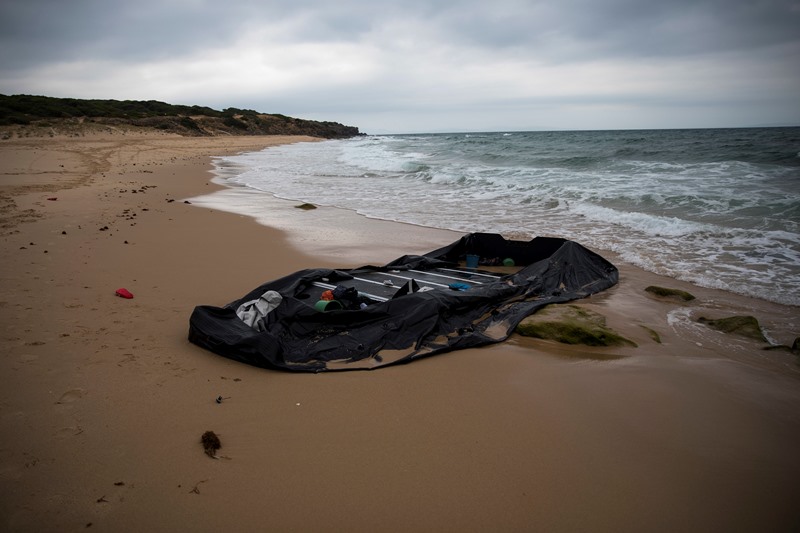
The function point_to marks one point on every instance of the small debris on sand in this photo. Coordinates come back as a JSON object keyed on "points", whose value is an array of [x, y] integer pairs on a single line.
{"points": [[124, 293], [211, 443], [196, 489]]}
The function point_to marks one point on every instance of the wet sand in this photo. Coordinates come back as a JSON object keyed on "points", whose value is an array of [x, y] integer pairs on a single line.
{"points": [[103, 400]]}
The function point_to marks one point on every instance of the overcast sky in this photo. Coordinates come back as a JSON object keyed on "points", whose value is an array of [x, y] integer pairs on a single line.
{"points": [[421, 65]]}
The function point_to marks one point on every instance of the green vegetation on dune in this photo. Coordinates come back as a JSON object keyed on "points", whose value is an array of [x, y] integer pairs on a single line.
{"points": [[26, 110], [23, 108]]}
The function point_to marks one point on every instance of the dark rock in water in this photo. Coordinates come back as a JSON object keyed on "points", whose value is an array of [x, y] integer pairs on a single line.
{"points": [[746, 326], [571, 324], [306, 207], [665, 292], [211, 443]]}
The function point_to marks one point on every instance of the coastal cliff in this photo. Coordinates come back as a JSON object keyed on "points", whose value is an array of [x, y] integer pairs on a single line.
{"points": [[22, 115]]}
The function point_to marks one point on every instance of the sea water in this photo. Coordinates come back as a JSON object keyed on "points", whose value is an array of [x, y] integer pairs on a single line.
{"points": [[716, 207]]}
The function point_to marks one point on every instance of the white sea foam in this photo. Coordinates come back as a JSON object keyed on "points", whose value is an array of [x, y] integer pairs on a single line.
{"points": [[727, 224]]}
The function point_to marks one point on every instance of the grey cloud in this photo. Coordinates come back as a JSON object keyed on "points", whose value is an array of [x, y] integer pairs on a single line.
{"points": [[41, 31], [687, 27], [584, 29], [47, 30], [566, 34]]}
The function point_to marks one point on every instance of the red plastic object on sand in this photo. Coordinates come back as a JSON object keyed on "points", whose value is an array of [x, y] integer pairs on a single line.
{"points": [[124, 293]]}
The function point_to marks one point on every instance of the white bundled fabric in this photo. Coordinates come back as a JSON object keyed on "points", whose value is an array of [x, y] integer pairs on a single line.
{"points": [[253, 312]]}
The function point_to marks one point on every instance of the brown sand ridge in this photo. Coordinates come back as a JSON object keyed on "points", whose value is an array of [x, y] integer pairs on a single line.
{"points": [[103, 400]]}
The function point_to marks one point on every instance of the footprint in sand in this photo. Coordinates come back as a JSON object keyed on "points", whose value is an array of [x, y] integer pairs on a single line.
{"points": [[69, 431], [71, 396], [28, 358]]}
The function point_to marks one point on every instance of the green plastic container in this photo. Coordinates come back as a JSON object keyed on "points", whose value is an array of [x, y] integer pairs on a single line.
{"points": [[327, 305]]}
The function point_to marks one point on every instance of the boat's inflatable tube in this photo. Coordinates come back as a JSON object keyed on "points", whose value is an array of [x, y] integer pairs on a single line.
{"points": [[404, 310]]}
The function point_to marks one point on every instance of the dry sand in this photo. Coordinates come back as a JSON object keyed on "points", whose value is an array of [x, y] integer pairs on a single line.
{"points": [[103, 400]]}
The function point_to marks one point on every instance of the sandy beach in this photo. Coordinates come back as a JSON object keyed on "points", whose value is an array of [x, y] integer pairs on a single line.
{"points": [[104, 400]]}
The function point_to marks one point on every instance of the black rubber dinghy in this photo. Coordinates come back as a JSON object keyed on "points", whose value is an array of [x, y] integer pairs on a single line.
{"points": [[416, 306]]}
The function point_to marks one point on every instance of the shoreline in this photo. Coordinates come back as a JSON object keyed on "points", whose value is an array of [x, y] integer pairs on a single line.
{"points": [[237, 200], [103, 399], [335, 234], [662, 233]]}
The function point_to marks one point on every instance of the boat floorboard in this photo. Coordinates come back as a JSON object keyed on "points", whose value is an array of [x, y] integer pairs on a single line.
{"points": [[382, 285]]}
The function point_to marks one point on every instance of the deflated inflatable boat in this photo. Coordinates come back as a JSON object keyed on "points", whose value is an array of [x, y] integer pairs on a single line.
{"points": [[321, 319]]}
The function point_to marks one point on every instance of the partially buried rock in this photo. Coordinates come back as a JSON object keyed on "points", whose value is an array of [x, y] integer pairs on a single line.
{"points": [[306, 206], [211, 443], [571, 324], [747, 326], [675, 294]]}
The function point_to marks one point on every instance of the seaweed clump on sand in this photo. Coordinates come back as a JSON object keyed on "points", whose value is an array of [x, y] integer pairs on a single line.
{"points": [[746, 326], [571, 324], [653, 333], [211, 444], [665, 292]]}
